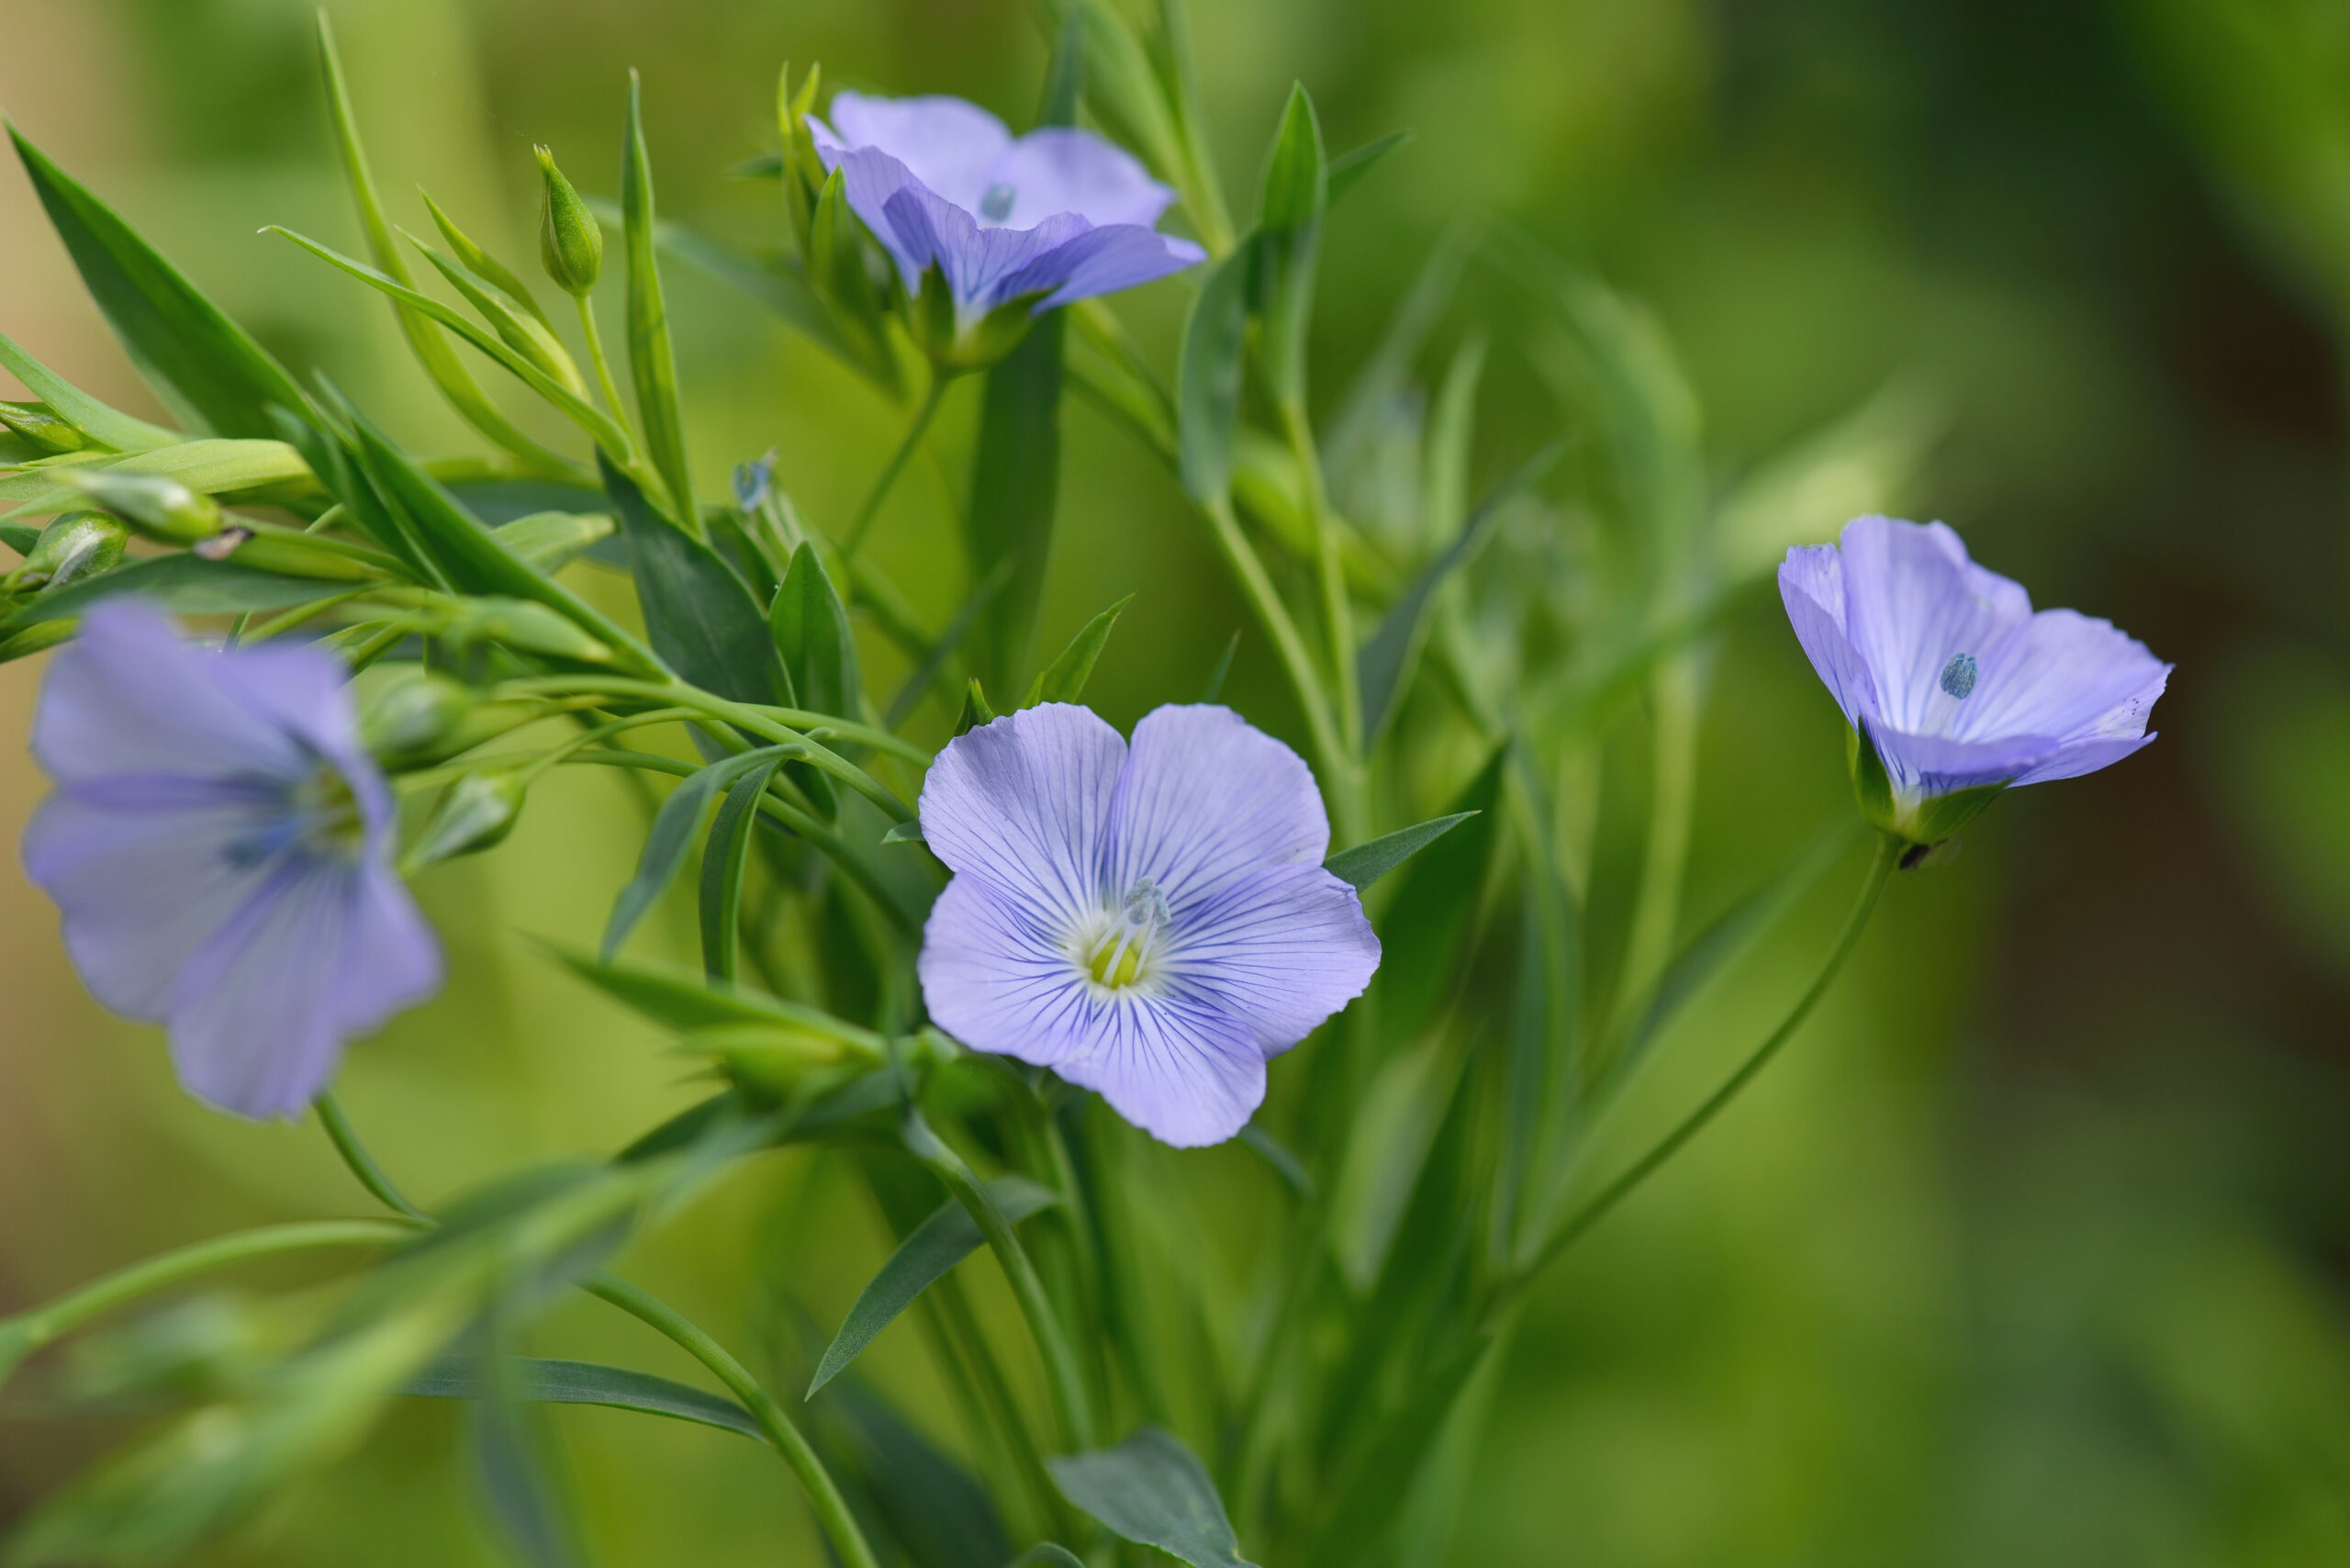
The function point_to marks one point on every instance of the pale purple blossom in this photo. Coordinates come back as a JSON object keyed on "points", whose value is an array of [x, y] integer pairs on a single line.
{"points": [[1152, 922], [1058, 214], [1944, 668], [221, 845]]}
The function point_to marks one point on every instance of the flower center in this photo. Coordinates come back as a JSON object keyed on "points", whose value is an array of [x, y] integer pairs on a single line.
{"points": [[1120, 955], [318, 816], [1958, 676], [996, 205]]}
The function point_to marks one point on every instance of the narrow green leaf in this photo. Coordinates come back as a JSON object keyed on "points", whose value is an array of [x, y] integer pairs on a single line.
{"points": [[688, 1004], [1348, 168], [1426, 925], [1015, 486], [587, 1383], [228, 468], [812, 632], [931, 1509], [1275, 1153], [470, 554], [723, 862], [1384, 667], [1048, 1554], [1223, 668], [1389, 1131], [976, 711], [1365, 863], [480, 263], [456, 384], [1391, 361], [1207, 378], [187, 585], [904, 833], [940, 1242], [1153, 1491], [675, 827], [1121, 84], [546, 542], [935, 659], [329, 452], [1295, 186], [107, 426], [651, 364], [698, 613], [1296, 191], [1064, 680], [519, 329], [199, 360], [1373, 1486]]}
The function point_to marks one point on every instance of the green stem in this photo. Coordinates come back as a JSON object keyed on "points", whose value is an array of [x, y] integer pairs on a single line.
{"points": [[832, 1511], [870, 508], [603, 367], [29, 1331], [1067, 1386], [345, 1138], [1887, 853]]}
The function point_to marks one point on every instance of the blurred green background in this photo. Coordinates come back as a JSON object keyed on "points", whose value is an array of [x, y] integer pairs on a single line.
{"points": [[2035, 1251]]}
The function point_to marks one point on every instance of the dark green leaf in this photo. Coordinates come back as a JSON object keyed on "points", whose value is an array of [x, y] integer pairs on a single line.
{"points": [[187, 584], [698, 613], [934, 661], [1015, 484], [1366, 863], [1047, 1554], [470, 554], [1348, 168], [651, 364], [1223, 668], [546, 542], [1296, 193], [1065, 76], [723, 863], [924, 1503], [509, 1450], [1426, 925], [203, 363], [1064, 680], [904, 833], [1151, 1490], [588, 1382], [85, 414], [1384, 667], [976, 711], [675, 826], [1295, 189], [1207, 378], [936, 1245], [432, 351], [1374, 1486], [812, 632], [19, 536]]}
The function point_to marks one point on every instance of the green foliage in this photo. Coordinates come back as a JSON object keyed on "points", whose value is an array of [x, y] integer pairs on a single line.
{"points": [[1151, 1490]]}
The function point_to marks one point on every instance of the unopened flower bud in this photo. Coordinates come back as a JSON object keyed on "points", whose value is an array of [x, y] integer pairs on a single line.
{"points": [[475, 812], [776, 1061], [157, 506], [76, 544], [571, 244], [42, 428], [524, 624], [409, 719]]}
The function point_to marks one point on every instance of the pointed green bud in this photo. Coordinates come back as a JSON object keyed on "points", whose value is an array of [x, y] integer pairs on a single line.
{"points": [[39, 637], [524, 624], [159, 507], [410, 719], [571, 244], [474, 813], [478, 262], [41, 429], [76, 544]]}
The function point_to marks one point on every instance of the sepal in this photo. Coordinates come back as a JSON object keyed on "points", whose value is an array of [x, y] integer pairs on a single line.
{"points": [[1913, 823]]}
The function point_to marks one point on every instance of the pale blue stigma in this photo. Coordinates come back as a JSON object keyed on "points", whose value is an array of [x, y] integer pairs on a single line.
{"points": [[996, 205], [1958, 676]]}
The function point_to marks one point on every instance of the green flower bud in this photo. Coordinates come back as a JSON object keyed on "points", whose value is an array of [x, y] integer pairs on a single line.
{"points": [[42, 428], [76, 544], [776, 1061], [474, 813], [410, 719], [524, 624], [571, 245], [157, 506]]}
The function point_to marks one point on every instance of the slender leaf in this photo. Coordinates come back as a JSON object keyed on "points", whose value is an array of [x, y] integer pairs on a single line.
{"points": [[651, 363], [1121, 84], [904, 833], [1382, 375], [698, 613], [1207, 378], [927, 1505], [587, 1383], [1365, 863], [1223, 668], [480, 263], [471, 554], [1348, 168], [1048, 1554], [202, 362], [211, 467], [1374, 1485], [1275, 1153], [1296, 191], [675, 827], [936, 1245], [723, 863], [432, 351], [688, 1003], [1426, 924], [188, 585], [107, 426], [1153, 1491], [934, 661], [812, 632], [780, 287], [1015, 486], [1064, 680], [546, 542], [1384, 666]]}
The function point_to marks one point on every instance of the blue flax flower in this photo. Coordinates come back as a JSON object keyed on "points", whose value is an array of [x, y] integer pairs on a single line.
{"points": [[220, 844], [1943, 669], [1056, 215], [1152, 922]]}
